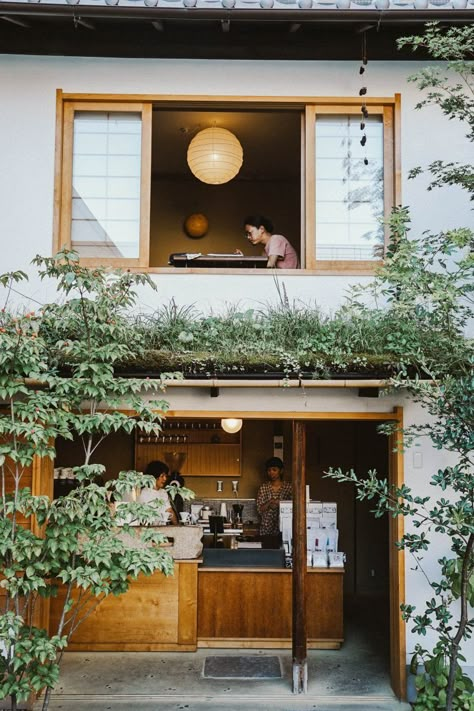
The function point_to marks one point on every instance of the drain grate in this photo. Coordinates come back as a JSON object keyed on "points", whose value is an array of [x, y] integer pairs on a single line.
{"points": [[248, 667]]}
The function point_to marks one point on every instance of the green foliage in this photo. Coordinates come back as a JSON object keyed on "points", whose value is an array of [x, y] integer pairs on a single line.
{"points": [[29, 660], [428, 281], [409, 320], [58, 379], [455, 46], [431, 671], [428, 284], [294, 339]]}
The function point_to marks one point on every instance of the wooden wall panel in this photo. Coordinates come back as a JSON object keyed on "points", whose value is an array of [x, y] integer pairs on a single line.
{"points": [[246, 604], [187, 604], [157, 613], [201, 459], [324, 601], [237, 604], [207, 449]]}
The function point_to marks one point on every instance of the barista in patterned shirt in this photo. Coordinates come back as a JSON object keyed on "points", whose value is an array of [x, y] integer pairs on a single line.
{"points": [[269, 496]]}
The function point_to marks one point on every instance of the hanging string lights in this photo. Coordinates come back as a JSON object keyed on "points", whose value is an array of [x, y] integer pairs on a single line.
{"points": [[362, 92]]}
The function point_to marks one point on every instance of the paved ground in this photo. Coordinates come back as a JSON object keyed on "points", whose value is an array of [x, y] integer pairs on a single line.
{"points": [[354, 678]]}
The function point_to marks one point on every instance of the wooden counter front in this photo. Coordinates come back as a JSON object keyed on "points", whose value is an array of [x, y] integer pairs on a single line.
{"points": [[212, 607], [158, 613], [251, 607]]}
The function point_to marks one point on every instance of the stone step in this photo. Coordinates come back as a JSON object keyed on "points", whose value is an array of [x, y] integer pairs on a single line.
{"points": [[221, 702]]}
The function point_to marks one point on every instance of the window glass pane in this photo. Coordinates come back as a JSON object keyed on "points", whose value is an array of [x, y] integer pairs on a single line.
{"points": [[103, 209], [124, 187], [106, 184], [86, 166], [89, 187], [349, 194]]}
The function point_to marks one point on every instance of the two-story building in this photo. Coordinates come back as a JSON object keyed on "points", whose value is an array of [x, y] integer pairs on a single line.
{"points": [[101, 100]]}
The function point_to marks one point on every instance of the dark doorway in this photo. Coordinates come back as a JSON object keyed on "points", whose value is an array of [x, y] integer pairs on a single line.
{"points": [[362, 537]]}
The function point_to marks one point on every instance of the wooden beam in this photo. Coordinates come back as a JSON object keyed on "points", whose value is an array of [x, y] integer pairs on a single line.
{"points": [[397, 570], [42, 484], [299, 633], [16, 21], [84, 23]]}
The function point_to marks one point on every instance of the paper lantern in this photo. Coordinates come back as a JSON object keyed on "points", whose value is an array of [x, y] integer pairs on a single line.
{"points": [[231, 425], [196, 225], [215, 156]]}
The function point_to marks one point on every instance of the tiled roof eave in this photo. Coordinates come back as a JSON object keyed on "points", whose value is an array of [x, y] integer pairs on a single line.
{"points": [[337, 10]]}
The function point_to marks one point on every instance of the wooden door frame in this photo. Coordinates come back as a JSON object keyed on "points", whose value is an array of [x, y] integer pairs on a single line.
{"points": [[42, 483], [396, 525], [398, 670]]}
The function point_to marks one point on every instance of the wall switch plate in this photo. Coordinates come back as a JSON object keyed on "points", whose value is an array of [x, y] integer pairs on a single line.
{"points": [[278, 446]]}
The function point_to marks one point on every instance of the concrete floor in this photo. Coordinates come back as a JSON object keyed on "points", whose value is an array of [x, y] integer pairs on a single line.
{"points": [[352, 678]]}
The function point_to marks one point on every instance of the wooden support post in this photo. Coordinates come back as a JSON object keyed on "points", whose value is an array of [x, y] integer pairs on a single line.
{"points": [[299, 634]]}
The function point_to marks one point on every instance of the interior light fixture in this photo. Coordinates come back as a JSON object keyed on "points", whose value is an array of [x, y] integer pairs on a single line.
{"points": [[231, 425], [215, 156]]}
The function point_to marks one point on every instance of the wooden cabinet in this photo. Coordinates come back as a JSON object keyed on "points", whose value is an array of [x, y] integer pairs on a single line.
{"points": [[157, 613], [193, 447], [236, 607]]}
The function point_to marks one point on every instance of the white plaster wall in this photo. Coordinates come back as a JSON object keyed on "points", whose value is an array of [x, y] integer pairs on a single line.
{"points": [[27, 132]]}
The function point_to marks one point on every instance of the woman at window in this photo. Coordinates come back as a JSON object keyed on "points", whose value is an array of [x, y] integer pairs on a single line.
{"points": [[280, 253]]}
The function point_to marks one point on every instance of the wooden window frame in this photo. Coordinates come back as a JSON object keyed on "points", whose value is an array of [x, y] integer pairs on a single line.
{"points": [[310, 107], [311, 114], [65, 220]]}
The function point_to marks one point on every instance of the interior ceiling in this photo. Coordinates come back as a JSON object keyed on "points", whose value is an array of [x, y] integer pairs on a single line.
{"points": [[270, 141]]}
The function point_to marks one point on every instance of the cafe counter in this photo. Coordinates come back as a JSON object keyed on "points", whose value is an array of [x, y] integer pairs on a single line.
{"points": [[252, 607], [215, 598], [204, 606], [157, 613]]}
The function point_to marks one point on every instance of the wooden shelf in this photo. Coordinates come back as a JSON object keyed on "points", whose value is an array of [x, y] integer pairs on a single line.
{"points": [[203, 445]]}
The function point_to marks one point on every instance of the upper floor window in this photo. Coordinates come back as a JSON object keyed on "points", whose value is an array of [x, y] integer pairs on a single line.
{"points": [[126, 189], [349, 188], [105, 177], [106, 171]]}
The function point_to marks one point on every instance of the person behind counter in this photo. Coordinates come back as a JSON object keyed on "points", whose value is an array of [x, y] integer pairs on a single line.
{"points": [[160, 471], [269, 496], [280, 253]]}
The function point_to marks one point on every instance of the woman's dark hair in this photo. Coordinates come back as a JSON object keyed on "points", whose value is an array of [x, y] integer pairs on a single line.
{"points": [[157, 468], [274, 462], [259, 221]]}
